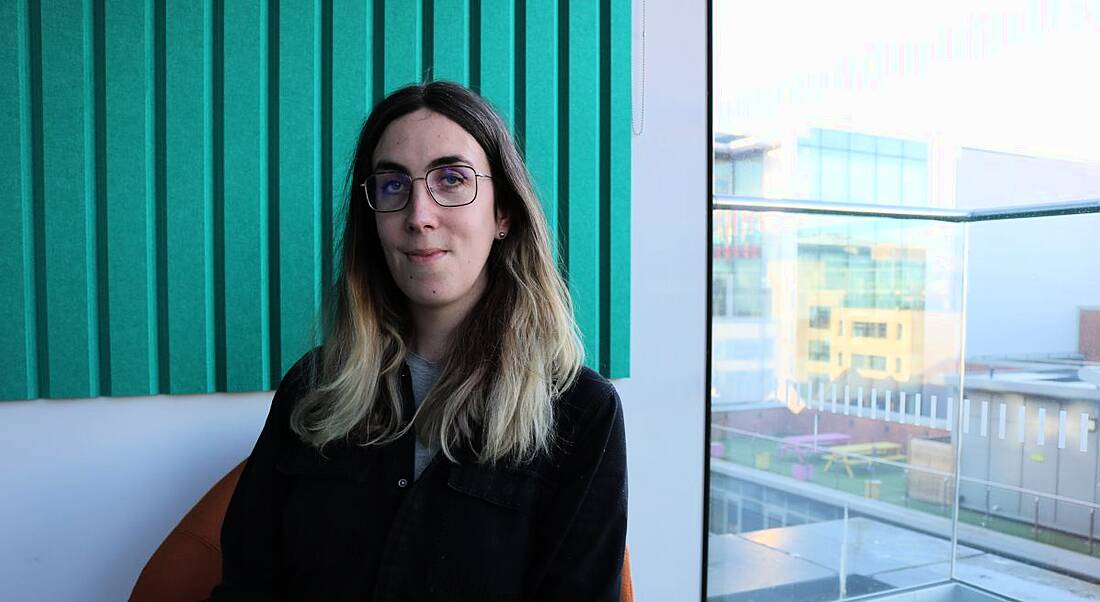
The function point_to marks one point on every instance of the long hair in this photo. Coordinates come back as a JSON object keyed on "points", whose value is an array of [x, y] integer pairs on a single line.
{"points": [[515, 353]]}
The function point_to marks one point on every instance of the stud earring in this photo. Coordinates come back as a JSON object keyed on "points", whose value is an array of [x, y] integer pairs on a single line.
{"points": [[500, 235]]}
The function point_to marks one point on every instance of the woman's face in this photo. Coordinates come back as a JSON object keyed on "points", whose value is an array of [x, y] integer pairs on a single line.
{"points": [[437, 255]]}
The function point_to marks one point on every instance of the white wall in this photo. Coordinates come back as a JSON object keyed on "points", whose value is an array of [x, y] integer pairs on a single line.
{"points": [[664, 399], [89, 488], [1028, 276]]}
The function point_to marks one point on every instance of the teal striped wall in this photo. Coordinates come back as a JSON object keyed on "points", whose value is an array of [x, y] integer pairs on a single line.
{"points": [[171, 172]]}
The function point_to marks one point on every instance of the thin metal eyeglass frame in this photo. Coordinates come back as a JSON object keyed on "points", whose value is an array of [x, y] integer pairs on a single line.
{"points": [[431, 193]]}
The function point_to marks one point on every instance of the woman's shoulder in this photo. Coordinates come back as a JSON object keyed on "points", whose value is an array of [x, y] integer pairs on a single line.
{"points": [[297, 380], [303, 370], [591, 401]]}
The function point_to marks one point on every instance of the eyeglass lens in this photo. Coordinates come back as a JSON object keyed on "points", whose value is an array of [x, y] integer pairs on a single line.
{"points": [[449, 185]]}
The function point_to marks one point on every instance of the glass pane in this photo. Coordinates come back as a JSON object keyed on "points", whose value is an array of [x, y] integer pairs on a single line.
{"points": [[965, 105], [1029, 462], [836, 349], [915, 104]]}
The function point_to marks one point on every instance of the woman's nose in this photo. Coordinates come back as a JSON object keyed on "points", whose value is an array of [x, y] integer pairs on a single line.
{"points": [[421, 211]]}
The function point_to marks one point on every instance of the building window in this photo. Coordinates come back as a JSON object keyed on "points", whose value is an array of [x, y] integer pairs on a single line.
{"points": [[869, 329], [819, 317], [840, 330], [721, 299], [874, 362], [899, 332], [819, 351], [723, 175]]}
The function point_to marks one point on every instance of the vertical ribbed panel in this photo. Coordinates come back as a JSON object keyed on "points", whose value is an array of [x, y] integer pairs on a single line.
{"points": [[17, 237], [175, 172], [581, 169], [246, 287], [615, 194]]}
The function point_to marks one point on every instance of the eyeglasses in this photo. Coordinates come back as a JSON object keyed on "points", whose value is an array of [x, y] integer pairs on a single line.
{"points": [[448, 185]]}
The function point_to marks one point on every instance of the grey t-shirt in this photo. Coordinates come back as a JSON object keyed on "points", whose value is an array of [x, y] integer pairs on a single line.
{"points": [[424, 374]]}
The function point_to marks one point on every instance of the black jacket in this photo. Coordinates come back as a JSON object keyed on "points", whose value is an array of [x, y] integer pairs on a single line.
{"points": [[355, 526]]}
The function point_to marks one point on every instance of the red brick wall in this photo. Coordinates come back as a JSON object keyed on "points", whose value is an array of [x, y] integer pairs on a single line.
{"points": [[1089, 334]]}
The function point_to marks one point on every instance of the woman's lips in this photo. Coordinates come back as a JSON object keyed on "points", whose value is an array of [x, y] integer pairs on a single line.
{"points": [[422, 257]]}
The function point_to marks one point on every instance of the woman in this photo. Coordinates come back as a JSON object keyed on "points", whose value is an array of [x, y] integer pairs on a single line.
{"points": [[445, 442]]}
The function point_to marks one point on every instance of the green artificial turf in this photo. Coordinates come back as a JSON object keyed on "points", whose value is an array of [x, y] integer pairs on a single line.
{"points": [[892, 490]]}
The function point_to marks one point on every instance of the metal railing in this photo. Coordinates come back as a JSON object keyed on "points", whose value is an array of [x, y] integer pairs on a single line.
{"points": [[948, 480], [751, 203]]}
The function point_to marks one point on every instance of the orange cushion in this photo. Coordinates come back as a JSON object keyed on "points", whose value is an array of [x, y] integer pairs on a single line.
{"points": [[189, 562]]}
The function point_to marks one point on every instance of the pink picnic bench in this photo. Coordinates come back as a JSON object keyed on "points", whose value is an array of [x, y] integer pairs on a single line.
{"points": [[800, 443]]}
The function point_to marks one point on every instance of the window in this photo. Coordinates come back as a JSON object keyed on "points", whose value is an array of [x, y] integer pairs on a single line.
{"points": [[846, 120], [874, 362], [819, 317], [720, 295], [869, 329], [819, 351], [723, 175]]}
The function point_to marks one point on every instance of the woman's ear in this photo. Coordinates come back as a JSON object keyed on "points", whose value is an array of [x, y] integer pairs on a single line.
{"points": [[504, 221]]}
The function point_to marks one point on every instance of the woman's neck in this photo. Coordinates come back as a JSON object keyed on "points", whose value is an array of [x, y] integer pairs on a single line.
{"points": [[434, 328], [435, 324]]}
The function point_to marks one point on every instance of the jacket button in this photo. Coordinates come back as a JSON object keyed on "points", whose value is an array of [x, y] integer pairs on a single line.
{"points": [[402, 482]]}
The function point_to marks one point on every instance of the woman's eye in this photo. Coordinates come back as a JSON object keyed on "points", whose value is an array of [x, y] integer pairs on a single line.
{"points": [[452, 178], [393, 186]]}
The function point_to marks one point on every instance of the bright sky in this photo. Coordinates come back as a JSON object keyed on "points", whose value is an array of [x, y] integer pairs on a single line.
{"points": [[1008, 75]]}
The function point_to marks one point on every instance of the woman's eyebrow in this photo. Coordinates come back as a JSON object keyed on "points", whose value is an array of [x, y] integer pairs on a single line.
{"points": [[449, 160], [387, 165]]}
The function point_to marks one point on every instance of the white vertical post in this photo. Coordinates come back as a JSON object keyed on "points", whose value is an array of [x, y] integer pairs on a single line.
{"points": [[1041, 437], [834, 398], [1002, 422], [917, 410], [1083, 443], [985, 419], [859, 402], [1061, 429], [887, 407], [815, 432], [901, 406], [844, 557], [874, 403], [966, 416], [932, 413], [950, 412]]}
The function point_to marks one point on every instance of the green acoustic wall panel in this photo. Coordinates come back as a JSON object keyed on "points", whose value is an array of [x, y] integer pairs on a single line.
{"points": [[539, 88], [497, 60], [449, 42], [17, 258], [245, 185], [615, 196], [174, 171], [580, 227]]}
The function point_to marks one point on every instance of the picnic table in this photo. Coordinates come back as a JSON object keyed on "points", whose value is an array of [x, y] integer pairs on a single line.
{"points": [[799, 443], [862, 454]]}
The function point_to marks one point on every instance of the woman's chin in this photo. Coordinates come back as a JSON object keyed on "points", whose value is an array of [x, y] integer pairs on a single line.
{"points": [[431, 299]]}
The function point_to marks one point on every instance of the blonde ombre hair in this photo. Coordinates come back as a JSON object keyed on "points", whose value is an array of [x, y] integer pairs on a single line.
{"points": [[509, 360]]}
